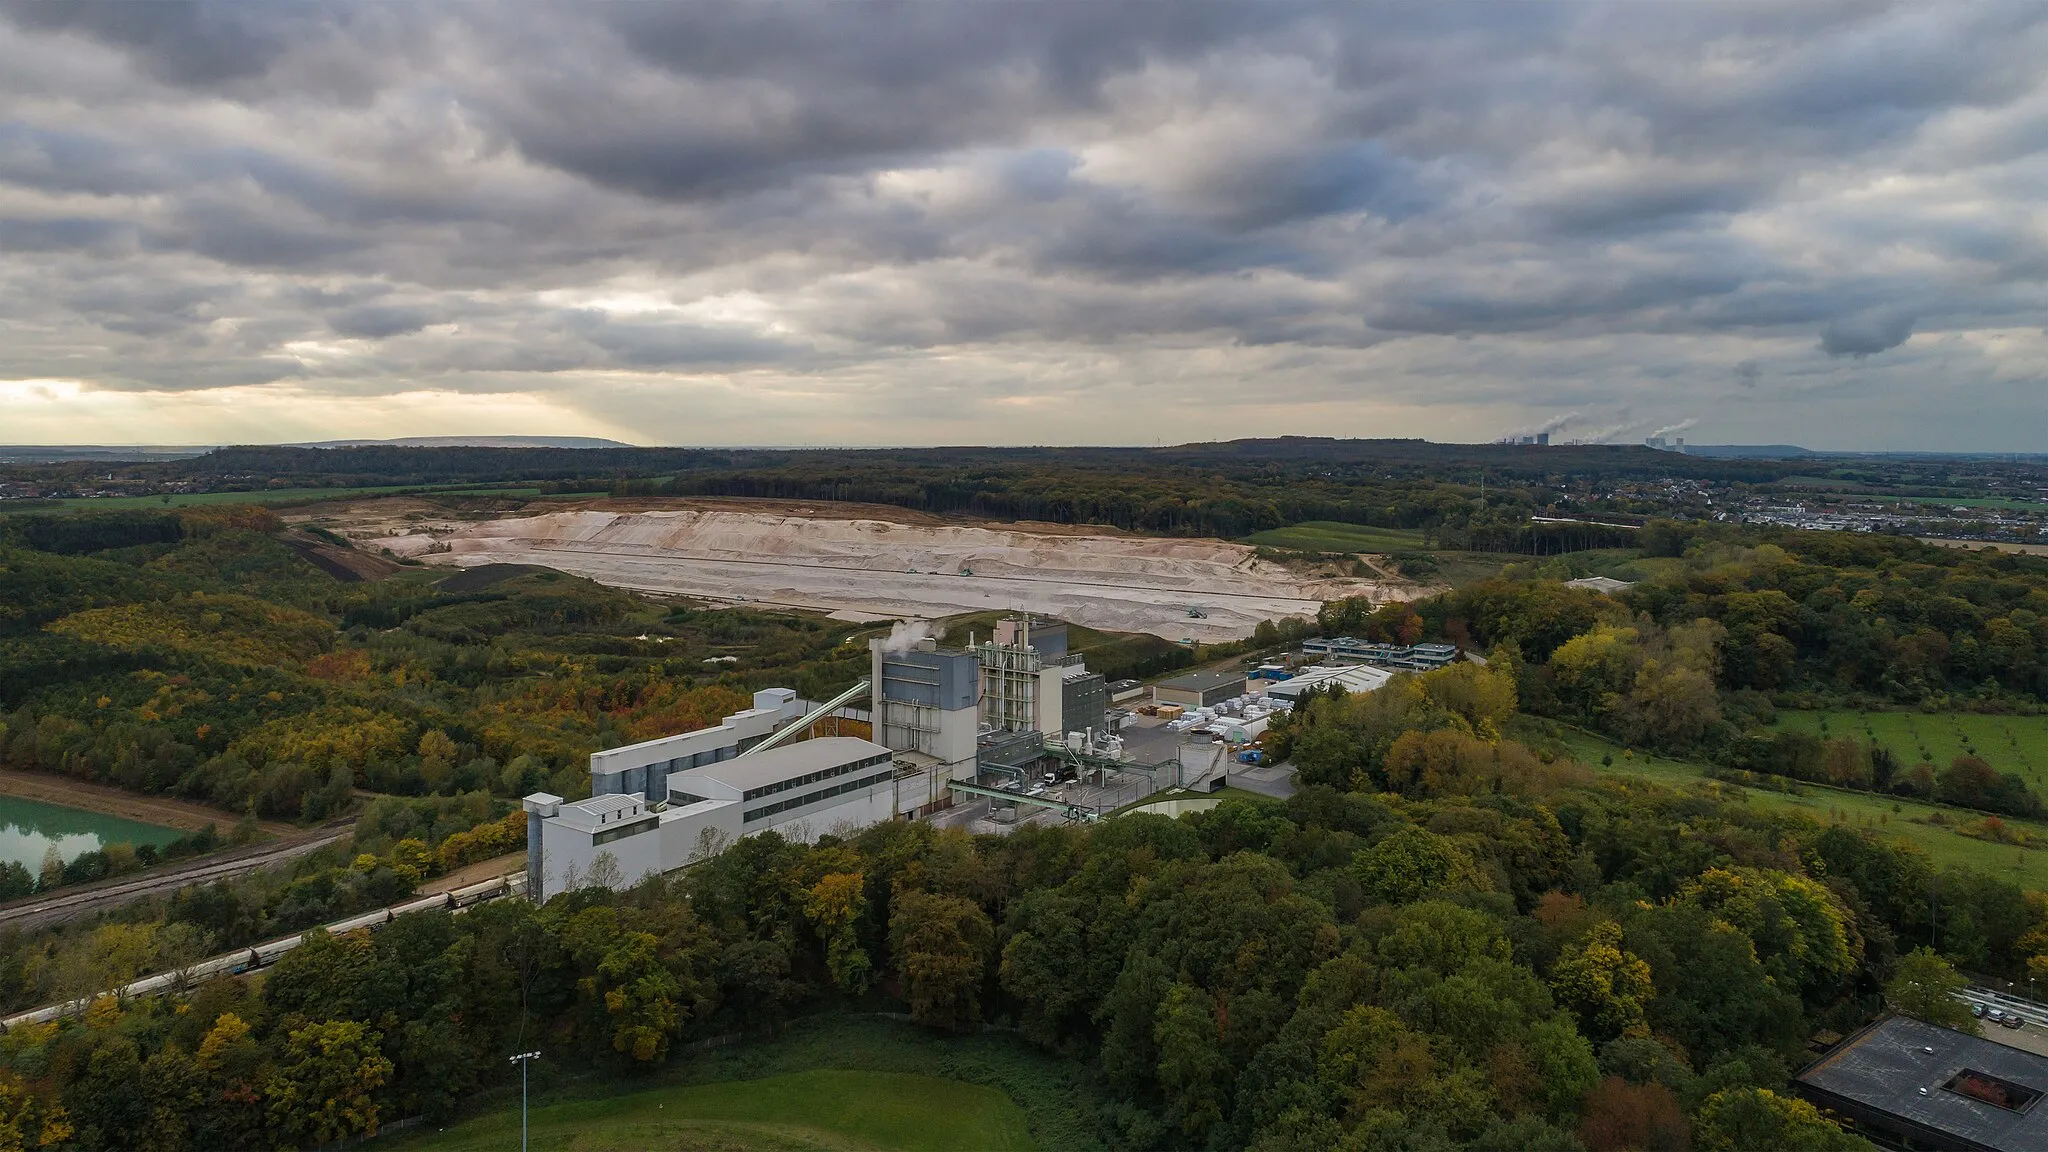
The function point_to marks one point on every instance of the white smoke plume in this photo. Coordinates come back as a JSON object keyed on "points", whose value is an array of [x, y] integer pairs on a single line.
{"points": [[1672, 429], [1553, 425], [906, 634]]}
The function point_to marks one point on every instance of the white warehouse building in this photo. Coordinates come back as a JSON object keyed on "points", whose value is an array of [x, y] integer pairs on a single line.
{"points": [[1353, 678], [801, 790]]}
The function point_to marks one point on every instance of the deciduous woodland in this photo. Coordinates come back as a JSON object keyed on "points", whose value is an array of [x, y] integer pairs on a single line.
{"points": [[1456, 934]]}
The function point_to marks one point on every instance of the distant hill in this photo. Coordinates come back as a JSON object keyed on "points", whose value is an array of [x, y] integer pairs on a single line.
{"points": [[110, 453], [470, 442], [1751, 451]]}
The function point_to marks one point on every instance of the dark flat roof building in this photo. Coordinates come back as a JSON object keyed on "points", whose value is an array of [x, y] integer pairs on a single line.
{"points": [[1913, 1084], [1199, 689]]}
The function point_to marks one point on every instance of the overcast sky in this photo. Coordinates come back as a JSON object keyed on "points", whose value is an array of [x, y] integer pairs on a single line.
{"points": [[953, 222]]}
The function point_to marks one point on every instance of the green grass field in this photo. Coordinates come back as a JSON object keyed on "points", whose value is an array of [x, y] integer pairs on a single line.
{"points": [[1331, 536], [837, 1081], [2017, 744], [1884, 815], [825, 1110]]}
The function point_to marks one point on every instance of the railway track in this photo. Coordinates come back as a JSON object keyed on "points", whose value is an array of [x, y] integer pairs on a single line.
{"points": [[58, 907], [245, 960]]}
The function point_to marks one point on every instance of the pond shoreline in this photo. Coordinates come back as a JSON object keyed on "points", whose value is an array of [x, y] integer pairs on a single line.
{"points": [[106, 800]]}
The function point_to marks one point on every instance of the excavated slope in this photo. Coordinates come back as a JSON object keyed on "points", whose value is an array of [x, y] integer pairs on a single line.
{"points": [[873, 568]]}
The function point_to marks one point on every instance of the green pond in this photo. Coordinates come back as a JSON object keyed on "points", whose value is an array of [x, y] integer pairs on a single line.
{"points": [[29, 827]]}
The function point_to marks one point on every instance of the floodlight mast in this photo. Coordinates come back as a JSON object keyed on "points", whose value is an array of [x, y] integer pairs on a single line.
{"points": [[522, 1059]]}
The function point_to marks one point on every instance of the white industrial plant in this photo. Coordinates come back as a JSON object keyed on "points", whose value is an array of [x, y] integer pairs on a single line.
{"points": [[1012, 717], [663, 804]]}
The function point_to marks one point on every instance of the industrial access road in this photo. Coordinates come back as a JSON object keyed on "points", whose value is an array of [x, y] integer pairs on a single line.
{"points": [[71, 903]]}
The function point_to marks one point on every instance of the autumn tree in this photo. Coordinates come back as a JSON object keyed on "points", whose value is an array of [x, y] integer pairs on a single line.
{"points": [[1747, 1119], [1624, 1117], [641, 996], [1412, 863], [1925, 987], [834, 905], [230, 1071], [1193, 1072], [941, 946], [27, 1120], [1803, 935], [326, 1084], [1606, 986]]}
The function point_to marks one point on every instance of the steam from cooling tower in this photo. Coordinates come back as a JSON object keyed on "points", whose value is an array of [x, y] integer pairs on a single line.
{"points": [[907, 634], [1551, 426], [1681, 426]]}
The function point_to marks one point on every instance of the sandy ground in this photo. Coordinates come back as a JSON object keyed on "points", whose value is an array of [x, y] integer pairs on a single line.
{"points": [[159, 810], [874, 568], [475, 873]]}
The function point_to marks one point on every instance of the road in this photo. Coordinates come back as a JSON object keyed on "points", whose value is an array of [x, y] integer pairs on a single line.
{"points": [[72, 903]]}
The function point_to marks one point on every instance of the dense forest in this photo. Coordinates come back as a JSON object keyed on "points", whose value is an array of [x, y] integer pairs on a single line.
{"points": [[1230, 489], [1509, 955], [1730, 625], [198, 653]]}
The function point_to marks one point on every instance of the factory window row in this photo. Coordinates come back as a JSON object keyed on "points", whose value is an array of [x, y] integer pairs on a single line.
{"points": [[611, 834], [813, 777], [780, 806], [684, 763]]}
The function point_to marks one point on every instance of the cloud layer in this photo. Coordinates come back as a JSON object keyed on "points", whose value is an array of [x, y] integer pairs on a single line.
{"points": [[1090, 222]]}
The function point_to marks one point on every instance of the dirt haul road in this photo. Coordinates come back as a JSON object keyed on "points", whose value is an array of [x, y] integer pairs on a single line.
{"points": [[875, 569]]}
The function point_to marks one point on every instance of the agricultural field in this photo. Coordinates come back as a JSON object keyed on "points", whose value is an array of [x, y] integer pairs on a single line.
{"points": [[1929, 827], [2003, 503], [206, 499], [815, 1111], [2017, 744], [1332, 536]]}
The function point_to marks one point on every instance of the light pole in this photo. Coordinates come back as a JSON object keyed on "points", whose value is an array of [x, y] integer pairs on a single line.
{"points": [[522, 1060]]}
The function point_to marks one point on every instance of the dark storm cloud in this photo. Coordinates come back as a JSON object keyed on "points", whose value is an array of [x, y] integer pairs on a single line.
{"points": [[180, 43], [67, 161], [1459, 205], [715, 99], [1865, 335]]}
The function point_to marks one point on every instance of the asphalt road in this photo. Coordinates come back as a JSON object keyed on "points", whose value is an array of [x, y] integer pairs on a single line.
{"points": [[71, 903]]}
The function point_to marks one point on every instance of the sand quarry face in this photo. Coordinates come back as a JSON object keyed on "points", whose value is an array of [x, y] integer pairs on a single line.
{"points": [[874, 569]]}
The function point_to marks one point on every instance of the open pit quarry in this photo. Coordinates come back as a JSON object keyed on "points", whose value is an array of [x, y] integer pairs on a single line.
{"points": [[871, 569]]}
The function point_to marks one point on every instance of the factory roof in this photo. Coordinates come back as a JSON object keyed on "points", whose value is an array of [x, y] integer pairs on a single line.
{"points": [[1970, 1090], [1353, 678], [777, 764], [604, 811], [1203, 681]]}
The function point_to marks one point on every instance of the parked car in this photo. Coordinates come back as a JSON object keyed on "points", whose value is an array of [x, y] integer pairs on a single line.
{"points": [[1996, 1015], [1977, 1010], [2013, 1021]]}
